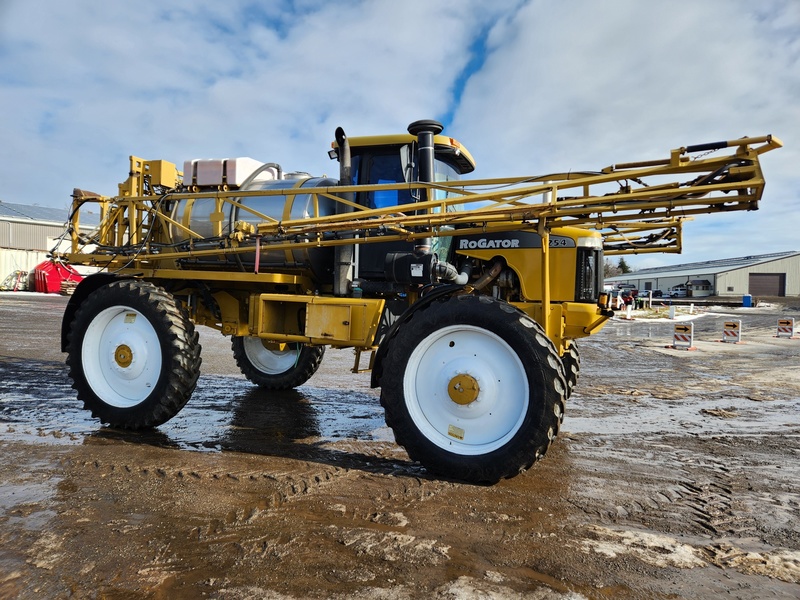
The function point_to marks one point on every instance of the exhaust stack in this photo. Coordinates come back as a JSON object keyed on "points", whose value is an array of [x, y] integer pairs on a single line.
{"points": [[425, 131]]}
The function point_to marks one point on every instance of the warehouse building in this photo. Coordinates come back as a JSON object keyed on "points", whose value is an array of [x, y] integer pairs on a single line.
{"points": [[28, 233], [776, 274]]}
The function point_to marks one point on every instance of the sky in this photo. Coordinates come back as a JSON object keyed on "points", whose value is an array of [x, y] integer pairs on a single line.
{"points": [[529, 86]]}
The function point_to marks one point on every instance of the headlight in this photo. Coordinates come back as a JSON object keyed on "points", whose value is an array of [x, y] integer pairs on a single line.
{"points": [[590, 242]]}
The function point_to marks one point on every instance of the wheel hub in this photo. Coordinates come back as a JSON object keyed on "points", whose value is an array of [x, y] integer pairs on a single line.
{"points": [[463, 389], [123, 356]]}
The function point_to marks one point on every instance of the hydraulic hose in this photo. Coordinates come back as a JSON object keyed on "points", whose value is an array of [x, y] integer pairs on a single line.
{"points": [[343, 255]]}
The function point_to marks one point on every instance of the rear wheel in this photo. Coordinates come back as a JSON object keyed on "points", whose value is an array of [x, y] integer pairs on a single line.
{"points": [[572, 367], [133, 354], [276, 369], [476, 390]]}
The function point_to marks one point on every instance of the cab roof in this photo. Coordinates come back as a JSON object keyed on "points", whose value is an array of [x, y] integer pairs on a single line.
{"points": [[444, 145]]}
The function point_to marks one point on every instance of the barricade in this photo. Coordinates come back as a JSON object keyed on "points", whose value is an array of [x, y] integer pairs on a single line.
{"points": [[683, 337], [786, 329], [732, 332]]}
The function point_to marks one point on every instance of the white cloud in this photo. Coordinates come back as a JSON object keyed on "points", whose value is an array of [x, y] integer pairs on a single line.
{"points": [[582, 85], [94, 81], [563, 85]]}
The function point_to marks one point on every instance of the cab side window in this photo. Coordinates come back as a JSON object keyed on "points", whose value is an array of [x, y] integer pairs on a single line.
{"points": [[381, 169]]}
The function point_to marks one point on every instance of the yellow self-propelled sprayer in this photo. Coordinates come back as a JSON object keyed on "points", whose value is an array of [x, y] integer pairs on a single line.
{"points": [[467, 295]]}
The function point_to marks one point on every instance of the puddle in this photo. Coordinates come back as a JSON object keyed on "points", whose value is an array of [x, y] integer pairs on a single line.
{"points": [[694, 415], [223, 413]]}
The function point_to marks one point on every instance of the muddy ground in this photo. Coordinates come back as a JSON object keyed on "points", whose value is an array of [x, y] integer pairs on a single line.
{"points": [[675, 476]]}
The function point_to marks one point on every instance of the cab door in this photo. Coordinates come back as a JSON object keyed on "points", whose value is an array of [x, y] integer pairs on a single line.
{"points": [[376, 166]]}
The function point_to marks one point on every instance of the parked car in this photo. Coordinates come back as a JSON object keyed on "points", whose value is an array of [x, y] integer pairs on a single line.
{"points": [[678, 291]]}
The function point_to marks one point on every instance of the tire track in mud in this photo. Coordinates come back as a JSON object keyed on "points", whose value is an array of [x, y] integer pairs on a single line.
{"points": [[707, 489], [362, 506], [724, 499], [284, 485], [235, 516], [712, 501], [724, 509]]}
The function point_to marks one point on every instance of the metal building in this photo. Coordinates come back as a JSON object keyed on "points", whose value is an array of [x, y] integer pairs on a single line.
{"points": [[776, 274], [28, 233]]}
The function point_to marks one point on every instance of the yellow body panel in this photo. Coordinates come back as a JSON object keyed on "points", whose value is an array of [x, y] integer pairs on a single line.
{"points": [[159, 173], [527, 263], [315, 319], [568, 320]]}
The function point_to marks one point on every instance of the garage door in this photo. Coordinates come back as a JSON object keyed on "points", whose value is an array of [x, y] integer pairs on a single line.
{"points": [[767, 284]]}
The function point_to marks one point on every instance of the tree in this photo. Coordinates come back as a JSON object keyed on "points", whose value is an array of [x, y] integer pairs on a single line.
{"points": [[610, 270], [623, 266]]}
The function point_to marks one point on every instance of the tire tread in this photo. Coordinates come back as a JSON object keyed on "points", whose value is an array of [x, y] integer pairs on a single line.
{"points": [[307, 364], [184, 355], [501, 463]]}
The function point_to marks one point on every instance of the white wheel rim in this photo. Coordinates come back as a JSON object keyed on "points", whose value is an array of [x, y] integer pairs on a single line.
{"points": [[497, 412], [121, 356], [269, 362]]}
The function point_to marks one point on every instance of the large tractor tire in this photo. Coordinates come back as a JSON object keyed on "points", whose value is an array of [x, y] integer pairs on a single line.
{"points": [[133, 355], [572, 367], [473, 389], [276, 369]]}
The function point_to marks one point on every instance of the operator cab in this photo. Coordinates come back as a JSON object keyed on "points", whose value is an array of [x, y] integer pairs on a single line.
{"points": [[391, 159]]}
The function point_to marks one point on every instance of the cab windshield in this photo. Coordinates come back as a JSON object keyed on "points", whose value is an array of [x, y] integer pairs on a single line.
{"points": [[443, 172]]}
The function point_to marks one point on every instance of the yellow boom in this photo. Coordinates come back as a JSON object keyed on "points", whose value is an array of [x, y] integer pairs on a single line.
{"points": [[621, 201]]}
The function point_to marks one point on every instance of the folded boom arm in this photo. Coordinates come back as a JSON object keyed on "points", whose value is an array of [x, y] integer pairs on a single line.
{"points": [[637, 207]]}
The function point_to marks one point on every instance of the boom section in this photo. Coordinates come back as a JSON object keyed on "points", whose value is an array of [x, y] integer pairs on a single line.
{"points": [[636, 206]]}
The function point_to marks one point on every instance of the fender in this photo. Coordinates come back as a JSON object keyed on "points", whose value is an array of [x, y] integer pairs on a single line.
{"points": [[83, 291], [442, 291]]}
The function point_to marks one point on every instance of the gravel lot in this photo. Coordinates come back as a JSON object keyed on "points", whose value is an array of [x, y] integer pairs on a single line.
{"points": [[675, 476]]}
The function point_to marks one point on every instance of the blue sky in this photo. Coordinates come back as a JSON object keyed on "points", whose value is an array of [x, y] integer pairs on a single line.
{"points": [[530, 86]]}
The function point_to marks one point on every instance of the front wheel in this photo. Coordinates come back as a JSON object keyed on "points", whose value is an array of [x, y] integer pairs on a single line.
{"points": [[133, 354], [476, 390], [273, 368]]}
